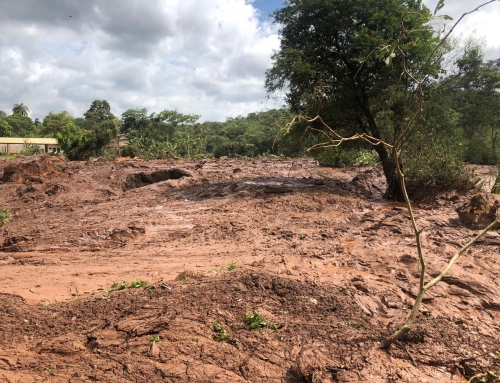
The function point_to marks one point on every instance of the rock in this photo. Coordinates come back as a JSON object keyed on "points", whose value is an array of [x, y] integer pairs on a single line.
{"points": [[480, 211], [154, 350], [312, 366]]}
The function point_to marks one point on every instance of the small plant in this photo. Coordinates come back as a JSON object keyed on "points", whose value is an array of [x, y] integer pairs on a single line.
{"points": [[231, 266], [31, 150], [346, 290], [119, 286], [137, 284], [196, 340], [350, 323], [256, 320], [489, 377], [221, 332], [4, 217], [48, 370], [45, 303], [155, 339], [102, 297], [182, 278]]}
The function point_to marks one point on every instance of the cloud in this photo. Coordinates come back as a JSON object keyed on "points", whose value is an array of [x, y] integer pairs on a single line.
{"points": [[204, 58], [483, 22]]}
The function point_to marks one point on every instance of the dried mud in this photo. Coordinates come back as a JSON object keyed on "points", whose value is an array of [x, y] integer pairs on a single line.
{"points": [[316, 251]]}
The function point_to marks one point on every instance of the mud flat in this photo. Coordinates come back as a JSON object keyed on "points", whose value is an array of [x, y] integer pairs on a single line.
{"points": [[315, 250]]}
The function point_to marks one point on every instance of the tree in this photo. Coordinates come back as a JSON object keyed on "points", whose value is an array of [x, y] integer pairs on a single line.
{"points": [[135, 119], [99, 111], [99, 128], [477, 100], [20, 109], [79, 144], [5, 128], [161, 133], [417, 81], [328, 53], [53, 122], [22, 126]]}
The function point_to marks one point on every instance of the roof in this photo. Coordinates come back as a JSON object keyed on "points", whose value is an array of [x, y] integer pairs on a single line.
{"points": [[28, 140]]}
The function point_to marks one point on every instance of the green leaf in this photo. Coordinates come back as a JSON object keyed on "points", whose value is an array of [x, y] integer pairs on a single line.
{"points": [[388, 60], [439, 6], [446, 17]]}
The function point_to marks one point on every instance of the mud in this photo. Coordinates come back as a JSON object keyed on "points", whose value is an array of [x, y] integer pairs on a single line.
{"points": [[314, 250]]}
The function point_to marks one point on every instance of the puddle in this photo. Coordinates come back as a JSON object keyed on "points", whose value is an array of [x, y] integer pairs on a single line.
{"points": [[138, 180]]}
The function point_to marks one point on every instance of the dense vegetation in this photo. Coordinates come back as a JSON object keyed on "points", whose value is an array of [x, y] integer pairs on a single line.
{"points": [[325, 65]]}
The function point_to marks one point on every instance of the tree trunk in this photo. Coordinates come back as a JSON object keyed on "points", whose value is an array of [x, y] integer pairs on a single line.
{"points": [[393, 190]]}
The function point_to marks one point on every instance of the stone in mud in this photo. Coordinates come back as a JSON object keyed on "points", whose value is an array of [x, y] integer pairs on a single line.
{"points": [[480, 211], [154, 350]]}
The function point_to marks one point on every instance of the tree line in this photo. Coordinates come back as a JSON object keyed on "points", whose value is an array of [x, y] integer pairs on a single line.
{"points": [[164, 134]]}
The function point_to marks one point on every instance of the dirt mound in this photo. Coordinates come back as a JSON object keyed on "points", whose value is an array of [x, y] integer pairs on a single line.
{"points": [[480, 211], [196, 330], [34, 169]]}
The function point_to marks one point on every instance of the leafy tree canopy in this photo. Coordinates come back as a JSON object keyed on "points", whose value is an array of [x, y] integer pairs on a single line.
{"points": [[331, 51], [22, 126], [53, 122], [135, 119], [99, 128], [5, 128], [98, 112]]}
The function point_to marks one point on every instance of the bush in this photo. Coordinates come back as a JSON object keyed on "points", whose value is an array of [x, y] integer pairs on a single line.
{"points": [[111, 153], [4, 217], [131, 150], [341, 156], [434, 165], [479, 152], [31, 150]]}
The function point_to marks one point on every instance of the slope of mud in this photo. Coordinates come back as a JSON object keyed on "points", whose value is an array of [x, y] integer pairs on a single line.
{"points": [[316, 250]]}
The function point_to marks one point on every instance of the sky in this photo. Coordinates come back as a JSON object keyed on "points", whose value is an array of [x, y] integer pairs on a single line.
{"points": [[204, 57]]}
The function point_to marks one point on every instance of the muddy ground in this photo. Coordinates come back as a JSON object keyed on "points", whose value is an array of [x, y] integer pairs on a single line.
{"points": [[315, 250]]}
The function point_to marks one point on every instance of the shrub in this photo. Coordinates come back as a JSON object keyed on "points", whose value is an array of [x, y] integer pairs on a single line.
{"points": [[342, 156], [31, 150], [4, 217], [479, 152], [131, 150], [432, 165]]}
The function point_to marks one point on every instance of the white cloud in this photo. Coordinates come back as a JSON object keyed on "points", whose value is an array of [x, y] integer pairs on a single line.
{"points": [[205, 58], [484, 22]]}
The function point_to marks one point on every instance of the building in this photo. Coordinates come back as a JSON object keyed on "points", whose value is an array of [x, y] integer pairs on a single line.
{"points": [[120, 141], [9, 145]]}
